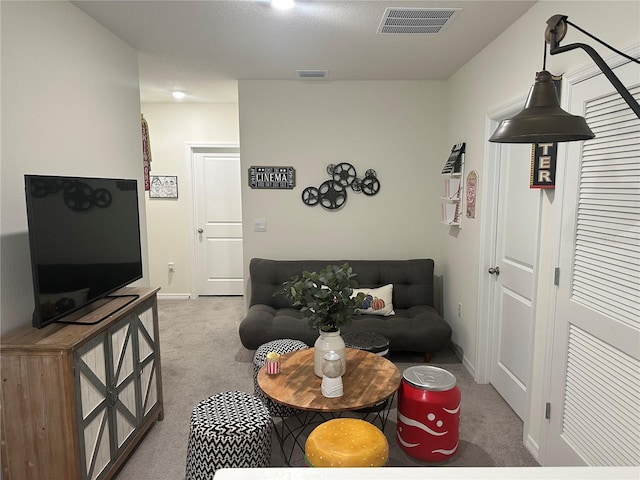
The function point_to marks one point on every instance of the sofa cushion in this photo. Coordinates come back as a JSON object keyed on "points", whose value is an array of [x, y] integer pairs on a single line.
{"points": [[417, 329]]}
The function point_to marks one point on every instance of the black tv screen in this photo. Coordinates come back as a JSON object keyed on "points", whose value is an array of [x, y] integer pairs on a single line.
{"points": [[84, 236]]}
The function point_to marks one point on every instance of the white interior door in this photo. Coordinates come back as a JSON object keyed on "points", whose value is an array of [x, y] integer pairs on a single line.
{"points": [[595, 373], [516, 249], [218, 223]]}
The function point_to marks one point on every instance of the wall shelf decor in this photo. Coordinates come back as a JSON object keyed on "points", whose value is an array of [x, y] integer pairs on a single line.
{"points": [[452, 171], [332, 194]]}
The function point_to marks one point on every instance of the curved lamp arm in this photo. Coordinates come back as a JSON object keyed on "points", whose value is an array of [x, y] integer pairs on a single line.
{"points": [[556, 30]]}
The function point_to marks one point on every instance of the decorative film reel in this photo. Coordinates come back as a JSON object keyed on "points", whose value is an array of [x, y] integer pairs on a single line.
{"points": [[102, 197], [345, 173], [39, 188], [78, 196], [370, 186], [333, 195], [310, 196]]}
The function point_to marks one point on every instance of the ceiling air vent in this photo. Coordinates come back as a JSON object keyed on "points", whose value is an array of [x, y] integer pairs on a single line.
{"points": [[416, 20], [311, 74]]}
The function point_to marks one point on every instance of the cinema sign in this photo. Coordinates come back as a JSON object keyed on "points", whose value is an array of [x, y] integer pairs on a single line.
{"points": [[543, 165], [272, 177]]}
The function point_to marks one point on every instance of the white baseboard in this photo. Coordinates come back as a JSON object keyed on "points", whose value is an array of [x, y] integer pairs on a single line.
{"points": [[458, 352], [174, 296], [469, 367], [531, 445]]}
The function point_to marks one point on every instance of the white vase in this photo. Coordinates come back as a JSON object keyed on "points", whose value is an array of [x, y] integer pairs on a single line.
{"points": [[326, 342]]}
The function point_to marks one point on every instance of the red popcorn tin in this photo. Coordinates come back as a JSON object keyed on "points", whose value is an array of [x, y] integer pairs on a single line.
{"points": [[428, 413], [272, 363]]}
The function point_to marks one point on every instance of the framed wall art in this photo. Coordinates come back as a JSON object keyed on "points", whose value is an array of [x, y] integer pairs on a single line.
{"points": [[163, 186]]}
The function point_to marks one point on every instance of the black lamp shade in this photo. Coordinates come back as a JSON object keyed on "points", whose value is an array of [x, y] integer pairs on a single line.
{"points": [[542, 119]]}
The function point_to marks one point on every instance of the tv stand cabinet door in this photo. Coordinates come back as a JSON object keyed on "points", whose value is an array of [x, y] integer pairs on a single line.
{"points": [[92, 383], [148, 363], [123, 390], [107, 396]]}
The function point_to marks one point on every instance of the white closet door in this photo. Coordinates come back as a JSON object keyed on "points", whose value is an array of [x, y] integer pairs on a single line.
{"points": [[595, 381]]}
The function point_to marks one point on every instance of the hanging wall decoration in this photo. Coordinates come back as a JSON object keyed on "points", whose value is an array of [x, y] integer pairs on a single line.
{"points": [[472, 190], [332, 194], [146, 153]]}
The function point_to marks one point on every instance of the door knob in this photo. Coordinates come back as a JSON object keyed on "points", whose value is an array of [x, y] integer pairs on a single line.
{"points": [[494, 270], [200, 230]]}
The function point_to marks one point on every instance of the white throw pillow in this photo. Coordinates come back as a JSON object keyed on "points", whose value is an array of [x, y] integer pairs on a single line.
{"points": [[378, 301]]}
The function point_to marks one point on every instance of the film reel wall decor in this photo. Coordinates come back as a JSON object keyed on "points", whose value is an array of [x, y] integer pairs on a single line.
{"points": [[332, 194], [76, 195]]}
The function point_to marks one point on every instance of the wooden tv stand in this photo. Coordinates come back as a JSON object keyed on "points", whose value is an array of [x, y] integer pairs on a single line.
{"points": [[78, 399]]}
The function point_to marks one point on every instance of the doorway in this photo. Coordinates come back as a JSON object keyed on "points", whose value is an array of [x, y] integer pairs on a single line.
{"points": [[508, 266], [514, 267], [218, 259]]}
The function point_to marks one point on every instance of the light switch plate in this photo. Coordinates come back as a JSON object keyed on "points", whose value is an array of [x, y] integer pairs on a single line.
{"points": [[260, 225]]}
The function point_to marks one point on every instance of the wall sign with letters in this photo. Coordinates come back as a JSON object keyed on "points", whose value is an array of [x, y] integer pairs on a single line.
{"points": [[543, 165], [272, 177], [544, 155]]}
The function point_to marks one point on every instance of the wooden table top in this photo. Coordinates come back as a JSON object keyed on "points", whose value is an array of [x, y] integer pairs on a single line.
{"points": [[369, 380]]}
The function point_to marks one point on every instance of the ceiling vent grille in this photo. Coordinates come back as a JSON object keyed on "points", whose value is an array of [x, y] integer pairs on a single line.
{"points": [[311, 74], [416, 20]]}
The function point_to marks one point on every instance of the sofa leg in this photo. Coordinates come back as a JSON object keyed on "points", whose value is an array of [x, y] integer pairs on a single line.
{"points": [[427, 357]]}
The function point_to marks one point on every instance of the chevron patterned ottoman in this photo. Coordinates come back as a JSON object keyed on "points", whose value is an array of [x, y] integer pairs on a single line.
{"points": [[228, 429], [285, 345]]}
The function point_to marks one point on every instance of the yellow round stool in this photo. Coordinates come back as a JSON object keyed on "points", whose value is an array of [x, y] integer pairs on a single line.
{"points": [[346, 442]]}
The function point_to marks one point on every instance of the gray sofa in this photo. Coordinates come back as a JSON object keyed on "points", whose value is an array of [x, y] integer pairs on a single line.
{"points": [[415, 327]]}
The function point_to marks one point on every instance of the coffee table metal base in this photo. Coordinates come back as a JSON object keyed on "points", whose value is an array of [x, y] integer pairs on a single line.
{"points": [[370, 384], [295, 428]]}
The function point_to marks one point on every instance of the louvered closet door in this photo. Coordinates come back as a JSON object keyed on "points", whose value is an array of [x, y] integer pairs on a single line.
{"points": [[595, 379]]}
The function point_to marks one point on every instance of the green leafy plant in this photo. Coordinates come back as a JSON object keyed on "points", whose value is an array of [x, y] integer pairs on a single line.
{"points": [[325, 296]]}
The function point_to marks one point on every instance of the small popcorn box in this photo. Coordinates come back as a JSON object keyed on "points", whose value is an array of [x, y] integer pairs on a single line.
{"points": [[273, 363]]}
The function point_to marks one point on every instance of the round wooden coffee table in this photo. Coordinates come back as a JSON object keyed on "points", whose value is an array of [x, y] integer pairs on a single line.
{"points": [[370, 383]]}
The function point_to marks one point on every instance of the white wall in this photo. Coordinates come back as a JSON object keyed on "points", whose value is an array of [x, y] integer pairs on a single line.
{"points": [[170, 222], [502, 72], [394, 128], [70, 106]]}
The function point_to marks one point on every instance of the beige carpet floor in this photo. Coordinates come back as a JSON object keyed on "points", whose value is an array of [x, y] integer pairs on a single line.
{"points": [[201, 355]]}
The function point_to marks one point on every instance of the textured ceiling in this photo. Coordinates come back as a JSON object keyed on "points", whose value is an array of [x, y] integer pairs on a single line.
{"points": [[204, 47]]}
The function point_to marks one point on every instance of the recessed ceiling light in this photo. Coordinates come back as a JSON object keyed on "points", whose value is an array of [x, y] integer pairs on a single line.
{"points": [[178, 95], [282, 4]]}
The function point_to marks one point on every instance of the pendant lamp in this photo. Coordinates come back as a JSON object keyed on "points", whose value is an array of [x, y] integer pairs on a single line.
{"points": [[542, 119]]}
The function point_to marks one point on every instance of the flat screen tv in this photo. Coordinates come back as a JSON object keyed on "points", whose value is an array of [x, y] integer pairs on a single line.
{"points": [[84, 237]]}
